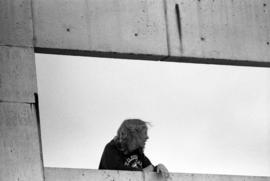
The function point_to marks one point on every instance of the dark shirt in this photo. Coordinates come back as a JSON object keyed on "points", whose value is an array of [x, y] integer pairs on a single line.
{"points": [[114, 159]]}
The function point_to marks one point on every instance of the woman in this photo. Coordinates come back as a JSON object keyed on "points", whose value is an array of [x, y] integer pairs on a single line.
{"points": [[126, 150]]}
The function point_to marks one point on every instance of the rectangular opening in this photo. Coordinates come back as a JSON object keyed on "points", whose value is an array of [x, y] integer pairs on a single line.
{"points": [[206, 118]]}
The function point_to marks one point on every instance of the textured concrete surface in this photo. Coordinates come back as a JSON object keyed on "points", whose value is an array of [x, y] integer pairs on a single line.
{"points": [[68, 174], [19, 143], [16, 23], [222, 29], [20, 149], [130, 27], [17, 74], [233, 31], [204, 177]]}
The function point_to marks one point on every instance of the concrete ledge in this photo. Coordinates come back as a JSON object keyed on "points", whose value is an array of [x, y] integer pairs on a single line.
{"points": [[217, 61], [98, 54], [69, 174], [17, 74], [20, 153], [16, 27]]}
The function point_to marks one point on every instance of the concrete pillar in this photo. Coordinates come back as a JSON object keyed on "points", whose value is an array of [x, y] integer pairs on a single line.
{"points": [[20, 145], [17, 74]]}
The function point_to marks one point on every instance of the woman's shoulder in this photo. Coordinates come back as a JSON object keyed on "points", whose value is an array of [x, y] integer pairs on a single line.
{"points": [[112, 145]]}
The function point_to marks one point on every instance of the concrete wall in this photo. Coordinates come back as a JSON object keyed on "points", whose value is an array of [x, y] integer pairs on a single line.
{"points": [[108, 26], [20, 149], [221, 29], [68, 174], [216, 31]]}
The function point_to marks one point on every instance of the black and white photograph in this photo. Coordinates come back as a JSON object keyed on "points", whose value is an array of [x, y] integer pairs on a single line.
{"points": [[136, 90]]}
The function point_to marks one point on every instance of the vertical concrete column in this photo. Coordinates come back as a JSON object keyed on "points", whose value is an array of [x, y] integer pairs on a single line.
{"points": [[20, 146]]}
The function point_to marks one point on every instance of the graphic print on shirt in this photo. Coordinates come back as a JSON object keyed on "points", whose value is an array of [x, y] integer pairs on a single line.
{"points": [[133, 162]]}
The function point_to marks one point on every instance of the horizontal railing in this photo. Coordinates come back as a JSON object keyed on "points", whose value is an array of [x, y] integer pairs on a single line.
{"points": [[70, 174]]}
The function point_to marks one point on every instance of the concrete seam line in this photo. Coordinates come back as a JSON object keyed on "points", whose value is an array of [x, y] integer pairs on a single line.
{"points": [[33, 24], [17, 102], [165, 6], [15, 46]]}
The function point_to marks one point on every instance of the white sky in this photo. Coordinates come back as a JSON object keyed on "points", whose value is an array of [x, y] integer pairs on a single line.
{"points": [[206, 118]]}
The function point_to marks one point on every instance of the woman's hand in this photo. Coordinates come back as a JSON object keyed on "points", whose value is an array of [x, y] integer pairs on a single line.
{"points": [[161, 169]]}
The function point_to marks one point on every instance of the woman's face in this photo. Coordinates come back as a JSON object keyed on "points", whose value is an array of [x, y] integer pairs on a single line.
{"points": [[142, 138]]}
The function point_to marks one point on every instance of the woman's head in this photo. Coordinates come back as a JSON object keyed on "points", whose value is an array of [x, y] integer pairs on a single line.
{"points": [[132, 134]]}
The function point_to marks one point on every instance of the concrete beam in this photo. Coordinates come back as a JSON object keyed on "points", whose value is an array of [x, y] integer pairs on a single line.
{"points": [[221, 31], [19, 143], [229, 30], [16, 27], [68, 174], [17, 74], [107, 27]]}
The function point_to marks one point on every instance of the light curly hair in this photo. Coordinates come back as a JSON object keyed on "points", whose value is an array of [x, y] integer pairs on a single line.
{"points": [[130, 129]]}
